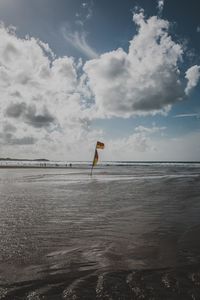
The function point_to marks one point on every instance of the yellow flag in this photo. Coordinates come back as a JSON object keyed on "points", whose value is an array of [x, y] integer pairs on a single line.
{"points": [[100, 145]]}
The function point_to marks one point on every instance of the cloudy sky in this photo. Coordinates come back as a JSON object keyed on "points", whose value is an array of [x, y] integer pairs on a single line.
{"points": [[123, 72]]}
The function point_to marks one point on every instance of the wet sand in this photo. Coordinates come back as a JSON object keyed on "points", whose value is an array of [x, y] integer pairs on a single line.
{"points": [[126, 233]]}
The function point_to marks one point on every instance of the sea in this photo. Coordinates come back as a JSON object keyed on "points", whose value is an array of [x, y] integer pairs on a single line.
{"points": [[129, 231]]}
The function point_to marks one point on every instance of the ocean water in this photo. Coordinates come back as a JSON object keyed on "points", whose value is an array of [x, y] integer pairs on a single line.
{"points": [[131, 231]]}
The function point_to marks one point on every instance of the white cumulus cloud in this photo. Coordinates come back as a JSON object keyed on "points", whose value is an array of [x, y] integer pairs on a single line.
{"points": [[137, 146], [147, 146], [40, 105], [146, 80], [192, 75]]}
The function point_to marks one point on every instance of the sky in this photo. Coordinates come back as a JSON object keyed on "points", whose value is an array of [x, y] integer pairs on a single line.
{"points": [[125, 73]]}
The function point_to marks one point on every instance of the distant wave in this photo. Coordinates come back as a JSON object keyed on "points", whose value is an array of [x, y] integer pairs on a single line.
{"points": [[65, 164]]}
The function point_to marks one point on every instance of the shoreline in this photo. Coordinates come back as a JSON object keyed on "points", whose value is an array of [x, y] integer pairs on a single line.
{"points": [[46, 167]]}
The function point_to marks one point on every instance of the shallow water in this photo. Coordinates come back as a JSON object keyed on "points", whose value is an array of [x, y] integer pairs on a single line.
{"points": [[66, 234]]}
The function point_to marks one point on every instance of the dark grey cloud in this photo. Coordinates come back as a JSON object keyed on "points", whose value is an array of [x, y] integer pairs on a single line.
{"points": [[24, 79], [8, 138], [27, 140], [29, 114], [167, 94], [7, 127], [10, 52], [16, 94], [44, 119], [15, 110]]}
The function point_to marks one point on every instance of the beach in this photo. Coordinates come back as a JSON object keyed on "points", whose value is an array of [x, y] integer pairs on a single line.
{"points": [[128, 232]]}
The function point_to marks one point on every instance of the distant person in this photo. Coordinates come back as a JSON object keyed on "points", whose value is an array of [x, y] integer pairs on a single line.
{"points": [[70, 165]]}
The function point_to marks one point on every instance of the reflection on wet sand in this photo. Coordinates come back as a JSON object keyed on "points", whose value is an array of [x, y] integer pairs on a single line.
{"points": [[127, 233]]}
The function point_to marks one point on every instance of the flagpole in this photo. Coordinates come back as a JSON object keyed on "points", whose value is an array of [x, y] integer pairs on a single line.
{"points": [[91, 171]]}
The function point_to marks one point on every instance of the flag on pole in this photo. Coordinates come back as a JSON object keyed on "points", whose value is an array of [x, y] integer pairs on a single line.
{"points": [[99, 145]]}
